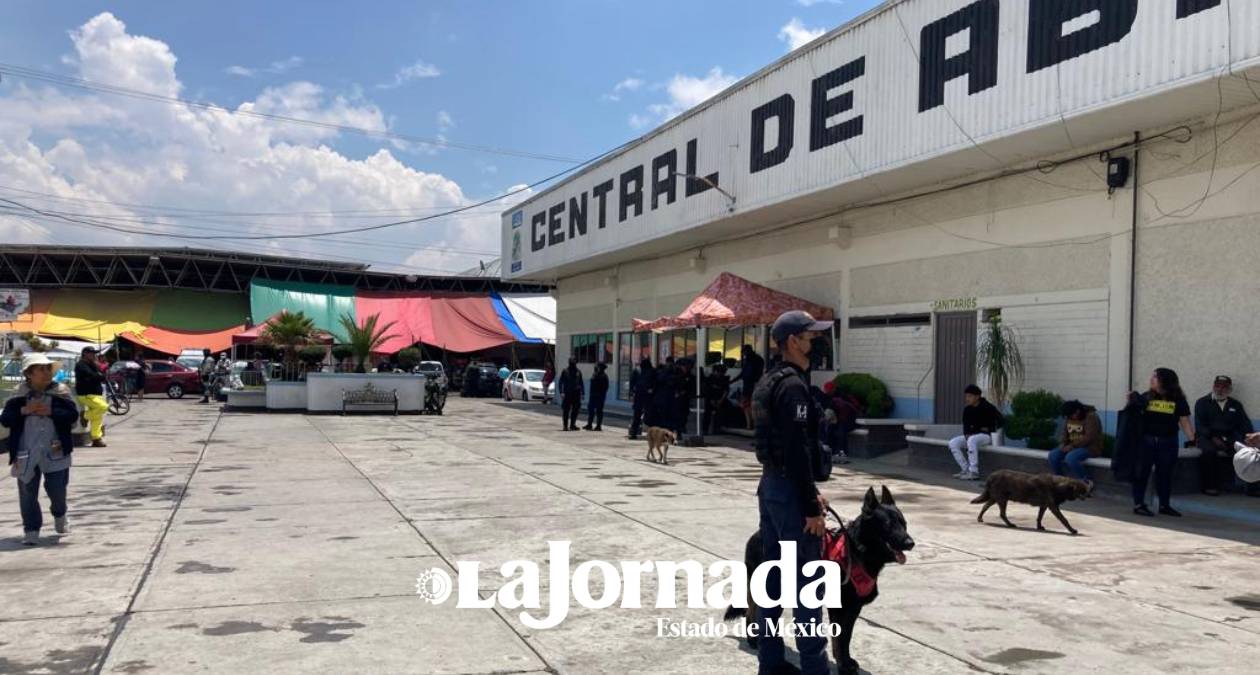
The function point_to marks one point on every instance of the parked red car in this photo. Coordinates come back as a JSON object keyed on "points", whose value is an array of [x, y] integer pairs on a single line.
{"points": [[168, 377]]}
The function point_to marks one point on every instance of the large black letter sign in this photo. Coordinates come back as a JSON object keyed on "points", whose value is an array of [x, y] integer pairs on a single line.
{"points": [[979, 63], [665, 182], [822, 108], [694, 185], [1190, 7], [1048, 46], [537, 239], [631, 196], [783, 108]]}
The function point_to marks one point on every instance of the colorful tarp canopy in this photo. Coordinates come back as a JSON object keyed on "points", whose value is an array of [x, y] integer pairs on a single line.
{"points": [[244, 336], [454, 322], [324, 304], [174, 342], [734, 301], [534, 314]]}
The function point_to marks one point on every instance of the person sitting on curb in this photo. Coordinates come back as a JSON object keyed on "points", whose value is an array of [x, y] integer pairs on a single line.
{"points": [[980, 421], [1220, 421], [1082, 438], [1247, 459]]}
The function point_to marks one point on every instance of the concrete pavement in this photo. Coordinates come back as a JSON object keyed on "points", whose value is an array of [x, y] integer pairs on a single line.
{"points": [[232, 542]]}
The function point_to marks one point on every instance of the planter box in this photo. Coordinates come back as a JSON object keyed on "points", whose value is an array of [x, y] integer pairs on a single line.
{"points": [[323, 390], [286, 395]]}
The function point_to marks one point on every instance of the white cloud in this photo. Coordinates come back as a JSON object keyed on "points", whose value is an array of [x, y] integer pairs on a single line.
{"points": [[416, 71], [274, 68], [685, 92], [444, 121], [86, 146], [811, 3], [630, 84], [797, 35]]}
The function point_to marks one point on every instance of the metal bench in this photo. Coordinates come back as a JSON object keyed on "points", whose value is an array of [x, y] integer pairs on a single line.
{"points": [[369, 396]]}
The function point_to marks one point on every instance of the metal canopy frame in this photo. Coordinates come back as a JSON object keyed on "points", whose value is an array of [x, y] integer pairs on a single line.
{"points": [[214, 271]]}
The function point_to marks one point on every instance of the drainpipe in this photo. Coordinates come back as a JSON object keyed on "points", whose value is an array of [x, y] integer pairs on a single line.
{"points": [[1133, 251]]}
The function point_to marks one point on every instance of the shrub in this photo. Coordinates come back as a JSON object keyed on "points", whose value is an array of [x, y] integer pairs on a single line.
{"points": [[1034, 418], [868, 390], [311, 355], [342, 352], [409, 358]]}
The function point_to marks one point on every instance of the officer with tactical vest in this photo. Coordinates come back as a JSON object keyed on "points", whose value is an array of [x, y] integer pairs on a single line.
{"points": [[786, 422]]}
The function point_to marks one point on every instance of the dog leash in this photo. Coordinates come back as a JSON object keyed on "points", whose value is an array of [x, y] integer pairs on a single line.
{"points": [[847, 570]]}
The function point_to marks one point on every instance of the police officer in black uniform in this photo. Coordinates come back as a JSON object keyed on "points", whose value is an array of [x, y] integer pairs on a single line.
{"points": [[786, 422]]}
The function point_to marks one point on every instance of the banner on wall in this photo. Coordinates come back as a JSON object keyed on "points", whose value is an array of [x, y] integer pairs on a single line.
{"points": [[13, 303]]}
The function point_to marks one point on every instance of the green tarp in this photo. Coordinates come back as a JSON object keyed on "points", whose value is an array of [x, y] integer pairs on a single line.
{"points": [[322, 303], [194, 311]]}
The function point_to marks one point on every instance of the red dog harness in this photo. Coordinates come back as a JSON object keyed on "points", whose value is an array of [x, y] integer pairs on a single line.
{"points": [[835, 549]]}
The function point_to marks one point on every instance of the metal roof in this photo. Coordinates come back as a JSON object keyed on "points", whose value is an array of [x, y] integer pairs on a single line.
{"points": [[44, 266]]}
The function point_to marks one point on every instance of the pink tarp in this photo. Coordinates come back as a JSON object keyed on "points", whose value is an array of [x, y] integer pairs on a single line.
{"points": [[735, 301], [454, 322]]}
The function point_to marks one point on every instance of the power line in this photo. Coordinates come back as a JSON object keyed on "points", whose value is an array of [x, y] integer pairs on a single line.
{"points": [[179, 211], [99, 87]]}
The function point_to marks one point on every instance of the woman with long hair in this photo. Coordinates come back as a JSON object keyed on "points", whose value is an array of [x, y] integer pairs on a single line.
{"points": [[1164, 411]]}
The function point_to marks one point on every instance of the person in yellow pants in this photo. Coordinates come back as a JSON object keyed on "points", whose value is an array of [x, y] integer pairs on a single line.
{"points": [[89, 389]]}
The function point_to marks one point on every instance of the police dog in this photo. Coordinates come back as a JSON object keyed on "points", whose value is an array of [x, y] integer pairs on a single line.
{"points": [[659, 439], [874, 539], [1045, 491]]}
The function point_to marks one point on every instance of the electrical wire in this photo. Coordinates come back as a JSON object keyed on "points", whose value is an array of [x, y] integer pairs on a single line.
{"points": [[99, 87]]}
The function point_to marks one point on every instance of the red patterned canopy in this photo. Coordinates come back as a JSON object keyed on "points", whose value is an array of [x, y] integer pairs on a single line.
{"points": [[735, 301]]}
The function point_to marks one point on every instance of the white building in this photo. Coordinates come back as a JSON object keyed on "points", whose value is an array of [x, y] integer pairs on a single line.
{"points": [[937, 160]]}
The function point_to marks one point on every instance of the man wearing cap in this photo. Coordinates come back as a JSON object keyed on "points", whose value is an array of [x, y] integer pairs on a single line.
{"points": [[786, 424], [39, 419], [1220, 421], [89, 387]]}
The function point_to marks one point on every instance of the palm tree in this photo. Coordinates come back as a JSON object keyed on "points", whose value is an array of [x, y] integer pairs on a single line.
{"points": [[288, 332], [999, 359], [365, 339]]}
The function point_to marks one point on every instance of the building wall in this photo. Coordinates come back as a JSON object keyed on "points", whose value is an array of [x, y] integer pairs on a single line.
{"points": [[1051, 250]]}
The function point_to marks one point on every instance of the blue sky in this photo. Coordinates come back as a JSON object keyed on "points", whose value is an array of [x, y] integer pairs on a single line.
{"points": [[559, 77]]}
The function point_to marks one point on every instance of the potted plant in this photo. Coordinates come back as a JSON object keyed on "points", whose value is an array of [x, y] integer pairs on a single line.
{"points": [[366, 338], [288, 332], [999, 359]]}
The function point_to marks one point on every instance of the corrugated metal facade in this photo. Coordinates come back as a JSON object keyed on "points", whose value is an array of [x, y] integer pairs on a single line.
{"points": [[877, 60]]}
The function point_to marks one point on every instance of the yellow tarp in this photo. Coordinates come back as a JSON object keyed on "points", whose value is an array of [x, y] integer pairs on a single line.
{"points": [[99, 315]]}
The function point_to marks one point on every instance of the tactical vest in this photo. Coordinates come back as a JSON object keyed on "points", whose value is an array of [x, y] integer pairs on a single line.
{"points": [[764, 400]]}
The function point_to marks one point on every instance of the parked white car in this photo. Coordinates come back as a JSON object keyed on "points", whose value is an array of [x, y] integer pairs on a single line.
{"points": [[525, 385], [434, 370]]}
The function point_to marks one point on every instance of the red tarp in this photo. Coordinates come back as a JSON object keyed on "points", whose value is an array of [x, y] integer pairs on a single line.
{"points": [[175, 341], [735, 301], [457, 323]]}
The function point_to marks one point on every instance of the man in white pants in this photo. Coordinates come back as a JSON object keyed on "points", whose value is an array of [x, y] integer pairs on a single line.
{"points": [[980, 420]]}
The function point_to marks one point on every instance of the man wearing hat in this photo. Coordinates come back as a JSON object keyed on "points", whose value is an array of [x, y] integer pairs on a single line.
{"points": [[1220, 421], [39, 421], [89, 387], [786, 423]]}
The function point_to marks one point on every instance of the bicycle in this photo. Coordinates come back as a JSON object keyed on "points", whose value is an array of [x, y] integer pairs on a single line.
{"points": [[118, 403]]}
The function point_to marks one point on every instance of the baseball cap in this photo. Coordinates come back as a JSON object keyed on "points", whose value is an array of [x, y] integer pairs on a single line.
{"points": [[89, 350], [1224, 380], [795, 323]]}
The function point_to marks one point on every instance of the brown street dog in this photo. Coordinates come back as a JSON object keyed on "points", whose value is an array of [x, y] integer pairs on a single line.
{"points": [[659, 440], [1045, 491]]}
